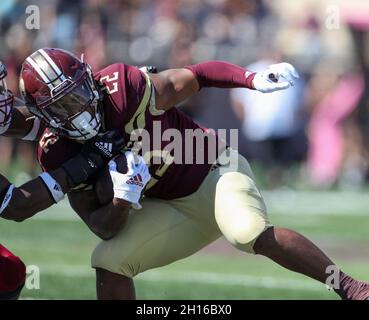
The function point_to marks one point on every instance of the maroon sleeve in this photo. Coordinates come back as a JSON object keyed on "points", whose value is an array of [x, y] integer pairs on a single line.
{"points": [[220, 74]]}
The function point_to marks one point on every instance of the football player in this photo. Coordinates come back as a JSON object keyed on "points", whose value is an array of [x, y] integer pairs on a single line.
{"points": [[186, 206]]}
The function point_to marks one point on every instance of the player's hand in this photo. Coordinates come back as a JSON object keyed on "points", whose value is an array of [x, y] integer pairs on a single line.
{"points": [[129, 174], [94, 155], [276, 77], [149, 69]]}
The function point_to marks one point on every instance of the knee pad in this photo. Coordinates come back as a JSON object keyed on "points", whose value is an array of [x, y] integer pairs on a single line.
{"points": [[240, 210], [243, 232]]}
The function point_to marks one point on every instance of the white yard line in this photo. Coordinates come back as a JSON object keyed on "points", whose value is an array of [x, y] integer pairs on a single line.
{"points": [[231, 280], [279, 202], [319, 203], [199, 277]]}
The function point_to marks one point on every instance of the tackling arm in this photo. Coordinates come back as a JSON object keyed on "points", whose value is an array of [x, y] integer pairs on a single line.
{"points": [[22, 203], [32, 197], [175, 85], [24, 125]]}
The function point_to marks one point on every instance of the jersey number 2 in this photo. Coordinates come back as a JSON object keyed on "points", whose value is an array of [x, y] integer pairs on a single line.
{"points": [[111, 82]]}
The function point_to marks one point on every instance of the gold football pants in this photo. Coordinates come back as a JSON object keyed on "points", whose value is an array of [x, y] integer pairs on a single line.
{"points": [[227, 203]]}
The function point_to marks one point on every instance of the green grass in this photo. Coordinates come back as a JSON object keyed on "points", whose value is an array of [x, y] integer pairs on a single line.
{"points": [[61, 248]]}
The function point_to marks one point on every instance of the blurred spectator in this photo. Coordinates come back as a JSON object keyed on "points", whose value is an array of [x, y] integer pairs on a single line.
{"points": [[331, 104], [326, 133], [273, 123]]}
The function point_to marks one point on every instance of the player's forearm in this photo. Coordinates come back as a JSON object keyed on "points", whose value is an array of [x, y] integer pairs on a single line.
{"points": [[24, 125], [103, 220], [33, 197], [221, 74], [108, 220]]}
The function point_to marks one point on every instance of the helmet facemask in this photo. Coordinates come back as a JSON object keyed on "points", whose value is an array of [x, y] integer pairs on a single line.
{"points": [[76, 113], [6, 101]]}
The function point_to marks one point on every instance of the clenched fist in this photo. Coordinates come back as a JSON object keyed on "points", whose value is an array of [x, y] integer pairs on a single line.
{"points": [[276, 77]]}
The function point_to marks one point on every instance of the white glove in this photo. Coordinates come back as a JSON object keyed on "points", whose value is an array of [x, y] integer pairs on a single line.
{"points": [[129, 186], [278, 76]]}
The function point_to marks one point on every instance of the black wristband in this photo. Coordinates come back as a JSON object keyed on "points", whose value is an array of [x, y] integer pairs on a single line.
{"points": [[79, 169]]}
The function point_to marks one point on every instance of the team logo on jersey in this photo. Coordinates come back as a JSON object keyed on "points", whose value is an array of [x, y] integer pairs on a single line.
{"points": [[91, 163], [136, 180], [105, 147]]}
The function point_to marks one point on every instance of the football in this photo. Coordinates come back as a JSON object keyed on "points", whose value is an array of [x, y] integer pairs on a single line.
{"points": [[104, 187], [103, 184]]}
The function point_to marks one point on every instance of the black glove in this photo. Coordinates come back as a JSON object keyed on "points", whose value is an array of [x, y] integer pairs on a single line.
{"points": [[149, 69], [152, 69], [105, 146], [94, 155]]}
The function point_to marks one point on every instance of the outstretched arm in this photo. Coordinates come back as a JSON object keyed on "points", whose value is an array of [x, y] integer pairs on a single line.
{"points": [[19, 204], [23, 124], [175, 85]]}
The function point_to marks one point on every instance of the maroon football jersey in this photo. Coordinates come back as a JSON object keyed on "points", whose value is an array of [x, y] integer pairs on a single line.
{"points": [[126, 107]]}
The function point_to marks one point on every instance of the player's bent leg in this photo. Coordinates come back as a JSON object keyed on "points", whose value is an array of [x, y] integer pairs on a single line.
{"points": [[240, 211], [154, 236], [241, 216], [294, 252], [112, 286]]}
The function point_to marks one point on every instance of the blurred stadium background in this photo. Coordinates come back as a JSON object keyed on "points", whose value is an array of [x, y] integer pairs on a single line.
{"points": [[308, 147]]}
